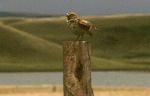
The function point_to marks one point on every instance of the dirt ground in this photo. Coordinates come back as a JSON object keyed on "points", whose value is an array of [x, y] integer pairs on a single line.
{"points": [[57, 91]]}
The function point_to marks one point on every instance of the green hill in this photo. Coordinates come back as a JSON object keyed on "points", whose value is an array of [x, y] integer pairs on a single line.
{"points": [[118, 36], [120, 43], [22, 51], [11, 20]]}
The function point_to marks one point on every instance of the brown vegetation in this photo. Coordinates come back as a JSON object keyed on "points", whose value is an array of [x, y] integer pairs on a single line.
{"points": [[57, 91]]}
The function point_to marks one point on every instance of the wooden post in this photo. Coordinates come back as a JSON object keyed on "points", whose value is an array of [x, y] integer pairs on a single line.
{"points": [[77, 72]]}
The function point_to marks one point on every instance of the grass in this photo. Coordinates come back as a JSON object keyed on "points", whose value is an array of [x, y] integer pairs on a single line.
{"points": [[21, 51], [58, 91], [29, 44]]}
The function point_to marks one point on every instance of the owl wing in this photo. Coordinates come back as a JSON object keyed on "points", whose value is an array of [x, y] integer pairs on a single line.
{"points": [[84, 24]]}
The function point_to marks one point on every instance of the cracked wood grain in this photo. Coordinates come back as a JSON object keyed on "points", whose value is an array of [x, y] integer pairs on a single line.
{"points": [[77, 71]]}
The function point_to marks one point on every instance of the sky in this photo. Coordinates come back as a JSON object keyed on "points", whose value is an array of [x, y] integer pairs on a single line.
{"points": [[84, 7]]}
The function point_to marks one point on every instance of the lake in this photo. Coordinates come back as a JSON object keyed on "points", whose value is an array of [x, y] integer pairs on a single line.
{"points": [[108, 79]]}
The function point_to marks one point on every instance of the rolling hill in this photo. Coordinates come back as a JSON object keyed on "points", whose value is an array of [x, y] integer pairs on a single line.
{"points": [[115, 35], [25, 50], [120, 43]]}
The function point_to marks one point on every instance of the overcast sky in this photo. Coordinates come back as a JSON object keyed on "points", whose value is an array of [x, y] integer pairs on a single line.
{"points": [[84, 7]]}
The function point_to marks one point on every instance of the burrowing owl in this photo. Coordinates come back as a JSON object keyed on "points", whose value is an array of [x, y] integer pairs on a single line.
{"points": [[78, 25]]}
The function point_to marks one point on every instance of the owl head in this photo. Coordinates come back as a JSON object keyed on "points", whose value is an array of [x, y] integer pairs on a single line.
{"points": [[71, 15]]}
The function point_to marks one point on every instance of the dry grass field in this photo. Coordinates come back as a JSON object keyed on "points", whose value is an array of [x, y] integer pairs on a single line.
{"points": [[57, 91]]}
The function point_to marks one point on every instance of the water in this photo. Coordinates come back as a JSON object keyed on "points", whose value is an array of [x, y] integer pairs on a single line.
{"points": [[117, 79]]}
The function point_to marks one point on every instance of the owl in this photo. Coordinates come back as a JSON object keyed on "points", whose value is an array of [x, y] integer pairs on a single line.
{"points": [[79, 26]]}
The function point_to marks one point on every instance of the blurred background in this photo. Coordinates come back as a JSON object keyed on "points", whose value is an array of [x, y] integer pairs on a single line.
{"points": [[83, 7], [32, 33]]}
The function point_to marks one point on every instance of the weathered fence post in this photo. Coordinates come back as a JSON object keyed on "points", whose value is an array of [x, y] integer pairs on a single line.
{"points": [[77, 72]]}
